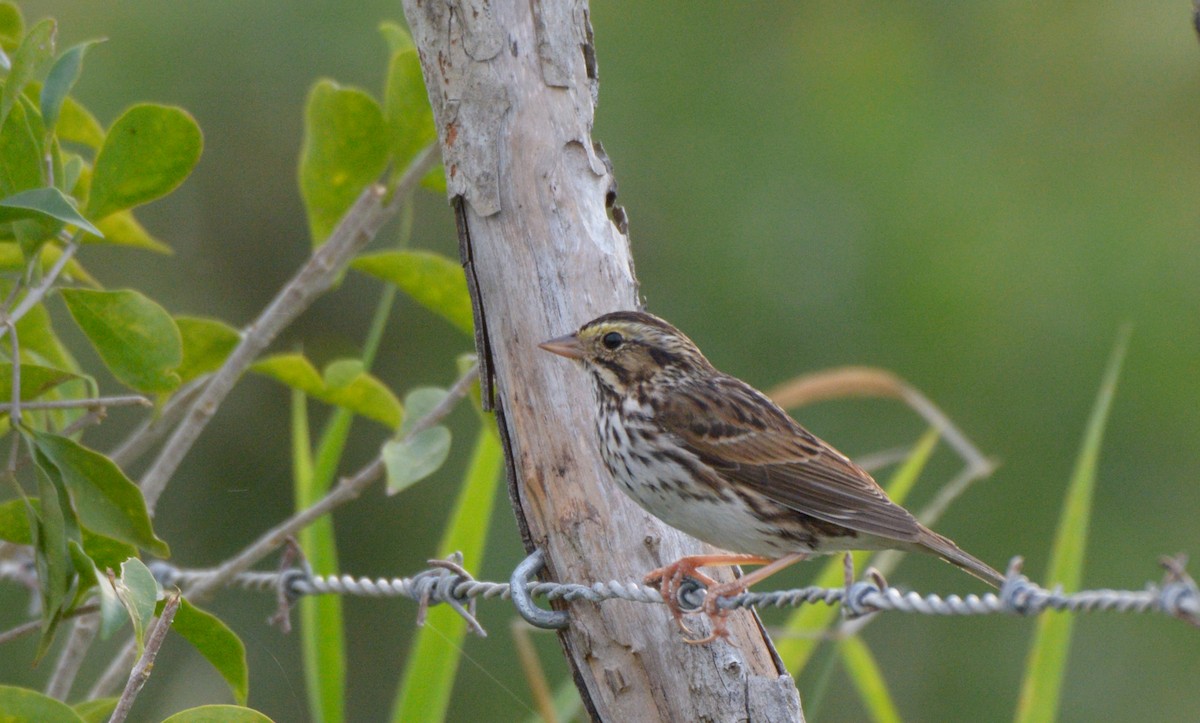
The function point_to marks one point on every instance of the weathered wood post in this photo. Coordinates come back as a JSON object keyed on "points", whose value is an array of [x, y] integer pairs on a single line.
{"points": [[513, 86]]}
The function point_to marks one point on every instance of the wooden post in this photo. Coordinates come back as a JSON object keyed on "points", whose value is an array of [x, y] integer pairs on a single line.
{"points": [[513, 87]]}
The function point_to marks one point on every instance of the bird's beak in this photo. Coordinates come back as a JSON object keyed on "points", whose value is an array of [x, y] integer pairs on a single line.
{"points": [[567, 346]]}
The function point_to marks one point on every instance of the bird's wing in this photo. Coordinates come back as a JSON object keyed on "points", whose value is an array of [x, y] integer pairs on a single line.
{"points": [[769, 452]]}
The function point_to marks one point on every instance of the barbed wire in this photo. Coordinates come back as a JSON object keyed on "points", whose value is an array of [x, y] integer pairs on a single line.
{"points": [[446, 581]]}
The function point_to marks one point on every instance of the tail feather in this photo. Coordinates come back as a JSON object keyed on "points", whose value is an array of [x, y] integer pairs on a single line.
{"points": [[951, 553]]}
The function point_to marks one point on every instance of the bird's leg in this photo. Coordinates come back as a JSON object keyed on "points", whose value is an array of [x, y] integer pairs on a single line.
{"points": [[669, 579], [717, 614]]}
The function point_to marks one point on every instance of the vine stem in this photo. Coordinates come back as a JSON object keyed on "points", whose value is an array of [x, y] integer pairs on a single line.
{"points": [[358, 226]]}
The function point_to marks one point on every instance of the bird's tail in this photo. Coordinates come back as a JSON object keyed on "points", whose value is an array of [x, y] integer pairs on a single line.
{"points": [[951, 553]]}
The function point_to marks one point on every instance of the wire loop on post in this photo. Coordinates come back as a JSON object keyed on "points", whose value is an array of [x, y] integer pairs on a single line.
{"points": [[523, 601]]}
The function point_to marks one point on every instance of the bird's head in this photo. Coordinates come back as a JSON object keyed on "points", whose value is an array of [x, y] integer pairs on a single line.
{"points": [[627, 348]]}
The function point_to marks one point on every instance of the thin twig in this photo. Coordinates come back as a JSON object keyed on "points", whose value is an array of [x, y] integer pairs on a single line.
{"points": [[358, 226], [156, 426], [94, 416], [121, 400], [871, 382], [875, 461], [14, 456], [141, 671], [346, 490], [20, 631], [83, 632], [37, 293], [887, 561], [15, 405], [977, 464], [34, 625]]}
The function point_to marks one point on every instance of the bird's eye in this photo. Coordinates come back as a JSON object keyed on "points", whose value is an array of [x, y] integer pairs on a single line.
{"points": [[612, 340]]}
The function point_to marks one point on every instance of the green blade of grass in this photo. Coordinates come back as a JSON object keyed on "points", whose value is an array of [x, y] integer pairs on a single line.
{"points": [[433, 661], [322, 636], [1046, 666], [322, 633], [801, 630], [864, 672]]}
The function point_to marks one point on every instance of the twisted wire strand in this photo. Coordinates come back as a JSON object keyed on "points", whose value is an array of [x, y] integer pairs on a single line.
{"points": [[447, 582]]}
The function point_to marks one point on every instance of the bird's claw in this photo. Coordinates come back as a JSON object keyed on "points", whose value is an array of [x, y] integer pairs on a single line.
{"points": [[670, 579]]}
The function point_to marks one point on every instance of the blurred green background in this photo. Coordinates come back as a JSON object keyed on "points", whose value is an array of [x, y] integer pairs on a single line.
{"points": [[973, 195]]}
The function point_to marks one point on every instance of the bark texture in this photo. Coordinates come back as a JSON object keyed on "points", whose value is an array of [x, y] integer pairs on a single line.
{"points": [[513, 86]]}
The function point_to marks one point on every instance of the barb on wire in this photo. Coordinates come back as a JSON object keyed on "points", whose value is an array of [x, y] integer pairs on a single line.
{"points": [[447, 582]]}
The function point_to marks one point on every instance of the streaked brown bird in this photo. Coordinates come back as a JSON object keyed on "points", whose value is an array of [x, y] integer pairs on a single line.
{"points": [[710, 455]]}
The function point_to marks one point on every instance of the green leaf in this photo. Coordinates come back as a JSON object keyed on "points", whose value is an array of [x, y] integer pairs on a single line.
{"points": [[21, 170], [294, 370], [122, 229], [105, 552], [138, 592], [418, 403], [51, 526], [345, 149], [218, 714], [397, 37], [432, 280], [20, 152], [31, 230], [39, 339], [14, 521], [864, 672], [136, 338], [1045, 667], [433, 660], [435, 180], [21, 705], [406, 108], [147, 153], [35, 381], [46, 203], [77, 125], [12, 26], [96, 711], [113, 614], [73, 167], [13, 259], [28, 64], [413, 459], [361, 393], [219, 645], [60, 80], [368, 396], [342, 373], [206, 345], [107, 501], [463, 363], [799, 641]]}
